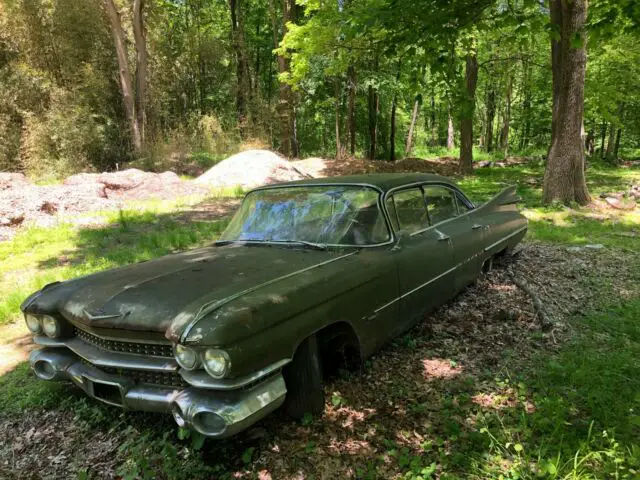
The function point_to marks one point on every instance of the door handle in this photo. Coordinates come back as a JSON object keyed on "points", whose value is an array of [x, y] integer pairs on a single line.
{"points": [[477, 226], [444, 238]]}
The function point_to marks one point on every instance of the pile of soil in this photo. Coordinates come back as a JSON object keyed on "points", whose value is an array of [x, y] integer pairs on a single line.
{"points": [[251, 169], [320, 167], [23, 203]]}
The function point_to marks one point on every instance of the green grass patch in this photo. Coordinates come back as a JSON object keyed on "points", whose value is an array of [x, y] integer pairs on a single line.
{"points": [[586, 423]]}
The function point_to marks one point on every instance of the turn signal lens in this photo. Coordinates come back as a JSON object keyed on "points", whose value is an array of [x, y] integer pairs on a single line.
{"points": [[216, 362], [187, 357], [33, 323], [51, 326]]}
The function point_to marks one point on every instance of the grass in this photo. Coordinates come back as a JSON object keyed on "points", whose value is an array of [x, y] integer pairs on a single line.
{"points": [[585, 423]]}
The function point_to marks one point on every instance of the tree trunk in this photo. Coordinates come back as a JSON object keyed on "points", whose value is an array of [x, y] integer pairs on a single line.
{"points": [[451, 142], [611, 143], [351, 110], [243, 79], [564, 178], [414, 117], [468, 108], [126, 83], [373, 104], [526, 106], [603, 137], [337, 112], [491, 114], [616, 149], [394, 106], [434, 125], [139, 35], [285, 107], [506, 121]]}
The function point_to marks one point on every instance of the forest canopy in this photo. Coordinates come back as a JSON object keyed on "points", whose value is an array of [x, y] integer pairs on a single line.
{"points": [[94, 84]]}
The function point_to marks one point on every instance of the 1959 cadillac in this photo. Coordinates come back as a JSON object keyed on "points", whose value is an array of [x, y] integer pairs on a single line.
{"points": [[308, 276]]}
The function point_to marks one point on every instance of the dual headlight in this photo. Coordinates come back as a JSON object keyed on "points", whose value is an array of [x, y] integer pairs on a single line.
{"points": [[50, 326], [215, 361]]}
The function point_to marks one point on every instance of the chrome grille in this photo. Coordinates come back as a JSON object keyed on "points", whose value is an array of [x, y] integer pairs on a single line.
{"points": [[150, 349], [164, 379]]}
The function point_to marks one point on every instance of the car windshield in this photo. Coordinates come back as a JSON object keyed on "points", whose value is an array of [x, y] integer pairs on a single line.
{"points": [[321, 215]]}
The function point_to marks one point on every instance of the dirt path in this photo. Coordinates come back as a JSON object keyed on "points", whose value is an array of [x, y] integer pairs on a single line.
{"points": [[15, 345]]}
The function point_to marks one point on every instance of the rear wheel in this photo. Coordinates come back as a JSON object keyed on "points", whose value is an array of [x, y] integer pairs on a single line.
{"points": [[303, 377]]}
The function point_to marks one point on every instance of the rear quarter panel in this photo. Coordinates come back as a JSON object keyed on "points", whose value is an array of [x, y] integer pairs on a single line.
{"points": [[505, 225]]}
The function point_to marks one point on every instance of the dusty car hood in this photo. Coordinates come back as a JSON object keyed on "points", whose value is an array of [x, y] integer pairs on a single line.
{"points": [[150, 296]]}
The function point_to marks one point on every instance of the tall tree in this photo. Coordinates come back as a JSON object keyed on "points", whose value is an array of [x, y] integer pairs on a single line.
{"points": [[286, 106], [129, 97], [140, 40], [243, 76], [412, 126], [468, 109], [564, 178]]}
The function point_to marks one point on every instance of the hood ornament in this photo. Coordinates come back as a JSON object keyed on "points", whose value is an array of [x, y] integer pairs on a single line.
{"points": [[99, 315]]}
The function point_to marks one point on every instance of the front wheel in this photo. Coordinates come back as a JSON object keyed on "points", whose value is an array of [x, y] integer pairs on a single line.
{"points": [[303, 377]]}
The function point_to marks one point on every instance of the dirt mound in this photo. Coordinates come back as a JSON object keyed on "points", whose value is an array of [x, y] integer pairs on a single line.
{"points": [[12, 180], [321, 167], [134, 184], [23, 203], [250, 169]]}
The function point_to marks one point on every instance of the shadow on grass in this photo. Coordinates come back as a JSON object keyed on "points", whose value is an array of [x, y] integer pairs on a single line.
{"points": [[135, 237]]}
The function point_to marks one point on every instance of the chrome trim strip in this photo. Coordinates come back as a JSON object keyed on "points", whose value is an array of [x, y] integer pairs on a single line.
{"points": [[506, 238], [202, 379], [404, 295], [211, 306], [105, 358], [95, 332]]}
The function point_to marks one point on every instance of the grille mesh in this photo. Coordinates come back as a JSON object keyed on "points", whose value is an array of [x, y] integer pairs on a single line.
{"points": [[165, 379], [150, 349]]}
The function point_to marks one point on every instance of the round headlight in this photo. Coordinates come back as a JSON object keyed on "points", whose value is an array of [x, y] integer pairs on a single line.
{"points": [[187, 357], [33, 323], [216, 362], [50, 326]]}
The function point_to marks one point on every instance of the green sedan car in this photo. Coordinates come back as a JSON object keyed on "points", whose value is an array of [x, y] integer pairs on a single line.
{"points": [[308, 277]]}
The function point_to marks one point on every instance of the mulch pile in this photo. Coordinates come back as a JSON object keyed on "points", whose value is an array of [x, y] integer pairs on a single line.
{"points": [[23, 203]]}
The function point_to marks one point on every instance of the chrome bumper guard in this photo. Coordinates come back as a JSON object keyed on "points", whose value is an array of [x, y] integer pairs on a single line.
{"points": [[216, 414]]}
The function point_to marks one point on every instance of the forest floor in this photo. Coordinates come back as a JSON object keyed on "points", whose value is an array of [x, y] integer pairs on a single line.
{"points": [[477, 390]]}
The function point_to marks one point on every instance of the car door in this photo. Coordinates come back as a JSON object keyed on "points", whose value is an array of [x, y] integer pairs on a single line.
{"points": [[424, 257], [455, 219]]}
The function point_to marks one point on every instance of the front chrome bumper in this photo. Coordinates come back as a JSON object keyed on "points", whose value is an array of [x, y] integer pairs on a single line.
{"points": [[213, 413]]}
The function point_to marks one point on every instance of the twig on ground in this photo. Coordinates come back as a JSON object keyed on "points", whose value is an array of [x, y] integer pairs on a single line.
{"points": [[545, 319]]}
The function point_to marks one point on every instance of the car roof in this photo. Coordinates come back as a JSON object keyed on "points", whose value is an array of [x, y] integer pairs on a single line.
{"points": [[382, 181]]}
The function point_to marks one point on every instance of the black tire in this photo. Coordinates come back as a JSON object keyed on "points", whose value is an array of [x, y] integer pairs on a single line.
{"points": [[303, 377]]}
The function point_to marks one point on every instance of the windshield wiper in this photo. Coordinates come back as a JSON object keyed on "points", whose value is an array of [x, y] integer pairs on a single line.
{"points": [[315, 246]]}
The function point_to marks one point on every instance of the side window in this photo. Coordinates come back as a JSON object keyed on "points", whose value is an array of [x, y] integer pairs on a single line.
{"points": [[391, 210], [441, 203], [411, 210], [462, 206]]}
